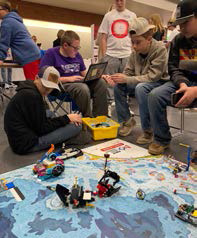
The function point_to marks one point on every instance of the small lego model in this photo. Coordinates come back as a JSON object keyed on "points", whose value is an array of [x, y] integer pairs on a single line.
{"points": [[104, 188], [49, 165], [176, 170], [77, 197], [187, 213], [140, 194], [3, 185], [67, 153]]}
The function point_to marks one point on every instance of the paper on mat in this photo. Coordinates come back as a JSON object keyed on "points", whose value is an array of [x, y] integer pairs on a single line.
{"points": [[117, 149]]}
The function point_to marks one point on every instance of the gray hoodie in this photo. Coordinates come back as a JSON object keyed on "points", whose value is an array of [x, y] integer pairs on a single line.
{"points": [[149, 69]]}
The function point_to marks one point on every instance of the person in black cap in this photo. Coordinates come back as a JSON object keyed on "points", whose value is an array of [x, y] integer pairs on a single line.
{"points": [[25, 122], [182, 67]]}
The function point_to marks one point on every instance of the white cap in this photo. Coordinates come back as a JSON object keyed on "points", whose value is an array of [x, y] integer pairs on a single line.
{"points": [[48, 81], [140, 26]]}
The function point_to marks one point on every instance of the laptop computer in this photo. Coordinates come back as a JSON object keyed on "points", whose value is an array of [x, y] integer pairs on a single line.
{"points": [[95, 71]]}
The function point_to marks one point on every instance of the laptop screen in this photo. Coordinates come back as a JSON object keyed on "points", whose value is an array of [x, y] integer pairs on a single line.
{"points": [[95, 71]]}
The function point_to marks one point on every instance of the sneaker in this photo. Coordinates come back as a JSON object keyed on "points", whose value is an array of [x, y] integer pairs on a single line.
{"points": [[6, 86], [157, 149], [127, 127], [145, 138]]}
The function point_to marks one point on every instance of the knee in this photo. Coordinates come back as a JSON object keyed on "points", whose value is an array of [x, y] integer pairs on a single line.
{"points": [[140, 90]]}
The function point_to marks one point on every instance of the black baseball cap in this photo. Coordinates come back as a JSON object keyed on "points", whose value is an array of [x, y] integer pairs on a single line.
{"points": [[185, 9]]}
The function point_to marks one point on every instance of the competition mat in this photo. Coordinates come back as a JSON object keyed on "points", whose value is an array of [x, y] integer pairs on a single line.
{"points": [[41, 214]]}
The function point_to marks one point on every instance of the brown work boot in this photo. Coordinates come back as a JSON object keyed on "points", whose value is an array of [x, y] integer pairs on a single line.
{"points": [[157, 149], [127, 126], [145, 138]]}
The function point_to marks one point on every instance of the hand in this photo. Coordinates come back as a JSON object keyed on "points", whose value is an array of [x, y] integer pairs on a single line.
{"points": [[108, 80], [75, 119], [76, 78], [190, 93], [119, 78], [1, 62]]}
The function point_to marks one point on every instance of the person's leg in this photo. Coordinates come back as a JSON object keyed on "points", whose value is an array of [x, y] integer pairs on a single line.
{"points": [[113, 67], [60, 135], [123, 63], [121, 104], [31, 70], [80, 93], [3, 75], [98, 91], [141, 93], [158, 100], [9, 75]]}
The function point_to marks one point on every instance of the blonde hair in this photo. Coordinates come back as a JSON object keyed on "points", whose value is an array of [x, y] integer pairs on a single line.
{"points": [[156, 20], [5, 5], [68, 37]]}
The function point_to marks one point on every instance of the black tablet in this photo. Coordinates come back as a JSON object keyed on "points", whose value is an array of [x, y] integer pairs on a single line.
{"points": [[95, 71]]}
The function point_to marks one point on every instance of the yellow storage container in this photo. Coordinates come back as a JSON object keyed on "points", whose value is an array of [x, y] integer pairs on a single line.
{"points": [[99, 133]]}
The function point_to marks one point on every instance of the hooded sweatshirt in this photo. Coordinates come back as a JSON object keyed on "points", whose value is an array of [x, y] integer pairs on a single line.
{"points": [[25, 118], [153, 67], [14, 35]]}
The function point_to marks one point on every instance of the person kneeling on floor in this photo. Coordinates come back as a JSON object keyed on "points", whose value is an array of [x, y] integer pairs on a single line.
{"points": [[146, 70], [25, 122]]}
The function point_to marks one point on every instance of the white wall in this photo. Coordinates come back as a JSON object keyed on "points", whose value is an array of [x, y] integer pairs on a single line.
{"points": [[46, 33]]}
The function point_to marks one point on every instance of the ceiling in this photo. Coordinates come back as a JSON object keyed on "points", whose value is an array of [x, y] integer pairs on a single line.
{"points": [[101, 6]]}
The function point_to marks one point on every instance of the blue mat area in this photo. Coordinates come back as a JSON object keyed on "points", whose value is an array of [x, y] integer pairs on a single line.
{"points": [[42, 215]]}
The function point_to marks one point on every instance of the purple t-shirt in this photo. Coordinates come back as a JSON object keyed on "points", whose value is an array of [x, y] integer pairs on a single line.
{"points": [[65, 65]]}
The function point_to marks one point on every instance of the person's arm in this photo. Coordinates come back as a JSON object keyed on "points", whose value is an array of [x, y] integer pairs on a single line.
{"points": [[176, 75], [190, 93], [5, 40], [103, 44], [155, 71]]}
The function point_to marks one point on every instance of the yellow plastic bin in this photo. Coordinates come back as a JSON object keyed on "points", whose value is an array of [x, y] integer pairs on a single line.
{"points": [[99, 133]]}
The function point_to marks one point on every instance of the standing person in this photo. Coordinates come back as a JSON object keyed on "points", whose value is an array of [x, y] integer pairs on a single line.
{"points": [[58, 40], [67, 60], [182, 67], [14, 35], [146, 69], [25, 122], [115, 44], [159, 31], [173, 31]]}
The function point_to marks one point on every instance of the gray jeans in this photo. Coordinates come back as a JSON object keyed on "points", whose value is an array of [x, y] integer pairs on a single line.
{"points": [[82, 93], [115, 65]]}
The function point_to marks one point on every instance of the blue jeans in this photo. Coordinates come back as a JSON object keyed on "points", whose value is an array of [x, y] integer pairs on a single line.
{"points": [[158, 100], [60, 135], [141, 91], [6, 78]]}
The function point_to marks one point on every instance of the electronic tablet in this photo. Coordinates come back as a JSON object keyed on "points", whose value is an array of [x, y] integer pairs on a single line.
{"points": [[95, 71]]}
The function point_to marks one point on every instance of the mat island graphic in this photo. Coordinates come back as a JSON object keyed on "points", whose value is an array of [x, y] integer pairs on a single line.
{"points": [[41, 213]]}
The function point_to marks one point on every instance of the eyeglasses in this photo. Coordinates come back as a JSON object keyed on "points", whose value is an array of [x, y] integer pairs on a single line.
{"points": [[74, 47]]}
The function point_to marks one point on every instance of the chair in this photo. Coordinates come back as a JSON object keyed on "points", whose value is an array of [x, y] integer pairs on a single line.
{"points": [[182, 123], [56, 101]]}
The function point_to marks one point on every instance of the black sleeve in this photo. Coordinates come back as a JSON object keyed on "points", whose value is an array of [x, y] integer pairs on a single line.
{"points": [[177, 75], [36, 116]]}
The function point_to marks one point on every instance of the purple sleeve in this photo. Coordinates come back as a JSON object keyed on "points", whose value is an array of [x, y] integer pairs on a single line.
{"points": [[47, 59], [82, 65]]}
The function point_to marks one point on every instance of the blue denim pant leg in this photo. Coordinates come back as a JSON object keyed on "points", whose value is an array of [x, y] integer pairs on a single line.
{"points": [[158, 100], [141, 93], [3, 75], [121, 93], [9, 70], [60, 135]]}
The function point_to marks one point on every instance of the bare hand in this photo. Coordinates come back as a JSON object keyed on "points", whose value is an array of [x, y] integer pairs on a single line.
{"points": [[108, 79], [75, 119], [76, 78], [1, 62], [119, 78], [188, 97]]}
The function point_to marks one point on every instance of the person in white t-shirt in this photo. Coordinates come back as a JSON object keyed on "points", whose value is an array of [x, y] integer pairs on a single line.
{"points": [[115, 42]]}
